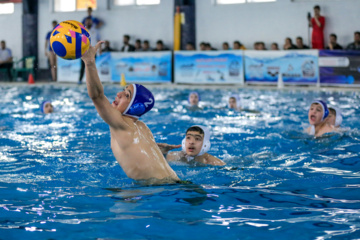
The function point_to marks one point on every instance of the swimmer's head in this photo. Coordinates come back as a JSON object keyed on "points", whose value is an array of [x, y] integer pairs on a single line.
{"points": [[46, 107], [234, 102], [335, 117], [134, 101], [194, 98], [196, 141], [318, 112]]}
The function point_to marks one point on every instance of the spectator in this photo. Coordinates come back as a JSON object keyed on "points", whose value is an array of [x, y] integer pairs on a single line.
{"points": [[107, 47], [190, 46], [274, 46], [356, 44], [97, 22], [49, 53], [288, 44], [256, 45], [208, 47], [138, 47], [146, 46], [261, 46], [300, 44], [237, 46], [318, 24], [160, 46], [6, 60], [225, 46], [95, 37], [202, 46], [333, 45], [127, 46]]}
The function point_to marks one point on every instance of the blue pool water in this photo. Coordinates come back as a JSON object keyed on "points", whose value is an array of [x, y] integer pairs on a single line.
{"points": [[59, 179]]}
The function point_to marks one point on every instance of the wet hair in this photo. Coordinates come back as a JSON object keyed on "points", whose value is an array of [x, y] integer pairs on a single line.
{"points": [[332, 111], [195, 129]]}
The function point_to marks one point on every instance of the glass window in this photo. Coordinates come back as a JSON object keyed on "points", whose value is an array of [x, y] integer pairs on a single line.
{"points": [[135, 2], [6, 8], [73, 5]]}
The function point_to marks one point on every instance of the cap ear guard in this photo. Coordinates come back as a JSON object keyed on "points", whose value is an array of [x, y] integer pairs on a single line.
{"points": [[338, 118], [136, 109]]}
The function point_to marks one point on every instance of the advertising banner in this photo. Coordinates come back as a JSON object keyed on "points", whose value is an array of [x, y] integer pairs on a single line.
{"points": [[292, 66], [339, 67], [214, 67], [152, 67], [68, 70], [103, 63]]}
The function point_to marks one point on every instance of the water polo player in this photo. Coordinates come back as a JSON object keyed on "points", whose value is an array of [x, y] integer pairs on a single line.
{"points": [[317, 115]]}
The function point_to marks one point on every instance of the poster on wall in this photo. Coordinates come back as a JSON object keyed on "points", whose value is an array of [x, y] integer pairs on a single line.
{"points": [[68, 70], [294, 66], [154, 67], [214, 67], [339, 67]]}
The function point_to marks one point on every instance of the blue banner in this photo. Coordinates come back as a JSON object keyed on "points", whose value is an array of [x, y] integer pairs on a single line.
{"points": [[295, 67], [339, 67], [213, 67], [141, 66]]}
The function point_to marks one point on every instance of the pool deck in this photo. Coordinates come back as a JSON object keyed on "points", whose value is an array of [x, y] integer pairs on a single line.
{"points": [[203, 86]]}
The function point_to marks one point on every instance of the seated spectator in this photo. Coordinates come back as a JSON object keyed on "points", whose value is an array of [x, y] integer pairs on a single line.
{"points": [[288, 44], [146, 46], [238, 46], [256, 45], [190, 46], [107, 47], [355, 46], [261, 46], [225, 46], [138, 47], [202, 46], [97, 22], [333, 45], [160, 46], [127, 46], [274, 46], [300, 44], [6, 60], [208, 47]]}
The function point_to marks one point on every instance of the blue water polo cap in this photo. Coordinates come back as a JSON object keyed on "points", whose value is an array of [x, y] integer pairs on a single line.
{"points": [[324, 107], [141, 102], [42, 106], [194, 92]]}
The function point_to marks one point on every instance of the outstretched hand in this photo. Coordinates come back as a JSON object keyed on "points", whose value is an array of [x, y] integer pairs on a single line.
{"points": [[165, 148], [90, 54]]}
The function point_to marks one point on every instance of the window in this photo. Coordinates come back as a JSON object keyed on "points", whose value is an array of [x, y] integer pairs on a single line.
{"points": [[241, 1], [135, 2], [6, 8], [73, 5]]}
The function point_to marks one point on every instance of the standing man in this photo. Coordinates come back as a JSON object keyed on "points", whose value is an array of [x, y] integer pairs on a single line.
{"points": [[95, 37], [127, 46], [6, 60], [49, 53], [97, 22], [318, 24]]}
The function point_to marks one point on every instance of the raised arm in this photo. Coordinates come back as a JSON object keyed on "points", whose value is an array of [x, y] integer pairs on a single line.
{"points": [[96, 91]]}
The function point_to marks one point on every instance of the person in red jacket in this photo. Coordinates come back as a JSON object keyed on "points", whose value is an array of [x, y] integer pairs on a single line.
{"points": [[318, 24]]}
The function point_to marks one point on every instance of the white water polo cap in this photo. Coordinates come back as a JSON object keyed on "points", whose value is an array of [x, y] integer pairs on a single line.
{"points": [[142, 101], [237, 98], [206, 142], [338, 118]]}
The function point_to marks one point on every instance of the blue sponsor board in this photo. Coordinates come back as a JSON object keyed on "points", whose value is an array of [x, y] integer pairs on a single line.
{"points": [[295, 67], [142, 66], [214, 67], [339, 67]]}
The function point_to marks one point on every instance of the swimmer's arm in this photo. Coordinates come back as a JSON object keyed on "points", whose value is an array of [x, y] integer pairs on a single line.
{"points": [[96, 91], [211, 160], [165, 148], [174, 156]]}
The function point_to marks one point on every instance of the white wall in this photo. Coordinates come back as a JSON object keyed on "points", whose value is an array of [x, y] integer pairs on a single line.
{"points": [[11, 30], [145, 22], [273, 21]]}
